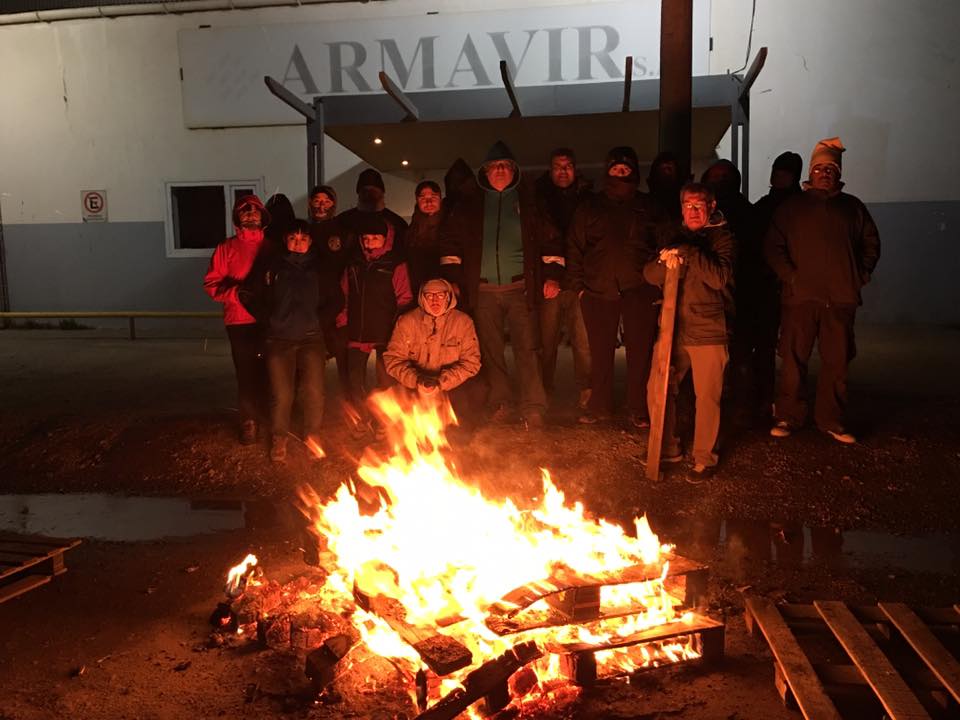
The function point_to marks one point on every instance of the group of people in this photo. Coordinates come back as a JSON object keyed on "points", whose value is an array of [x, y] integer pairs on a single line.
{"points": [[495, 256]]}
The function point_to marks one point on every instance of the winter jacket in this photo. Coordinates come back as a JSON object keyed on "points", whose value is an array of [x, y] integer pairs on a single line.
{"points": [[423, 247], [346, 229], [230, 264], [443, 347], [462, 239], [705, 294], [377, 289], [554, 209], [609, 242], [823, 247], [294, 295]]}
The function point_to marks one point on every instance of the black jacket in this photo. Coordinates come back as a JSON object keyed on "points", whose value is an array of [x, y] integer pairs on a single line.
{"points": [[705, 295], [423, 248], [554, 208], [371, 295], [610, 241], [823, 248], [295, 296]]}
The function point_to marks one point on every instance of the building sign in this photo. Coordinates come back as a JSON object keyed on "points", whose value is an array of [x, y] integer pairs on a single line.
{"points": [[223, 68], [93, 204]]}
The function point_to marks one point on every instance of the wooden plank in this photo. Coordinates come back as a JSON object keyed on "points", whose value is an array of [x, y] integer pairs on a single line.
{"points": [[658, 632], [941, 662], [38, 540], [932, 616], [18, 587], [806, 687], [661, 370], [896, 697]]}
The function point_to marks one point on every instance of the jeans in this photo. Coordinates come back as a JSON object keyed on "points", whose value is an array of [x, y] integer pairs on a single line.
{"points": [[246, 347], [286, 359], [497, 309], [357, 361], [562, 313]]}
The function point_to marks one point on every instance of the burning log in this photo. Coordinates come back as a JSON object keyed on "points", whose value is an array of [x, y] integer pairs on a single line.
{"points": [[488, 680], [441, 653], [321, 663]]}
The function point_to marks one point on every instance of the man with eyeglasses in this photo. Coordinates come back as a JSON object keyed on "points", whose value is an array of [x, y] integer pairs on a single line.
{"points": [[434, 349], [490, 251], [824, 246], [703, 250]]}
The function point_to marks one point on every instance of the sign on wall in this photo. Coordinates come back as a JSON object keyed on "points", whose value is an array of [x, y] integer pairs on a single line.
{"points": [[94, 205], [223, 68]]}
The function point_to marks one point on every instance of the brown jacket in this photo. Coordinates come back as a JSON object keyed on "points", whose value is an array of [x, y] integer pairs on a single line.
{"points": [[443, 347]]}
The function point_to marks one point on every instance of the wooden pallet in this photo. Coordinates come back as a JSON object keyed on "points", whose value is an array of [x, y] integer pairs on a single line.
{"points": [[888, 654], [29, 561]]}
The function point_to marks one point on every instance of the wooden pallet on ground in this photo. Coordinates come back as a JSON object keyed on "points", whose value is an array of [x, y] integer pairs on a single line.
{"points": [[29, 561], [887, 654]]}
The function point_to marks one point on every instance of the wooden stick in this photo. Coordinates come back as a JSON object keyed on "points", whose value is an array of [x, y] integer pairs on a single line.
{"points": [[661, 370]]}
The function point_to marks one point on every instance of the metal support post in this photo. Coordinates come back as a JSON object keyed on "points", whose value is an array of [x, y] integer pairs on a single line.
{"points": [[315, 171], [676, 80]]}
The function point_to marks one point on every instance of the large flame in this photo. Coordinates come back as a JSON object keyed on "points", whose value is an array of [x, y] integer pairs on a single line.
{"points": [[411, 529]]}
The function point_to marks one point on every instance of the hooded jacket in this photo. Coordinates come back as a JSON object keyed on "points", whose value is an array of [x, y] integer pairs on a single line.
{"points": [[612, 236], [462, 235], [232, 261], [705, 295], [823, 247], [376, 288], [443, 347], [554, 215]]}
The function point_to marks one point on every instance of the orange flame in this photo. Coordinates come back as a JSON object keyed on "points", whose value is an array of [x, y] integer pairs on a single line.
{"points": [[314, 447], [239, 574]]}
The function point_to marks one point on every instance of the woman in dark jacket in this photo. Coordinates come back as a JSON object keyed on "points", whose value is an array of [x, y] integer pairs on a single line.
{"points": [[295, 297]]}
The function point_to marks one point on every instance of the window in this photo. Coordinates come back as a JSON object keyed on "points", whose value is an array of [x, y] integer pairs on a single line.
{"points": [[199, 214]]}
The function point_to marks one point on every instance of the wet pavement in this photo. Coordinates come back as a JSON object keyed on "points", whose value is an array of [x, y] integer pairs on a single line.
{"points": [[116, 518]]}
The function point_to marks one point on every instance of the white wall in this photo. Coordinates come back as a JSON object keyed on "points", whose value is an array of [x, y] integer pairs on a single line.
{"points": [[881, 74]]}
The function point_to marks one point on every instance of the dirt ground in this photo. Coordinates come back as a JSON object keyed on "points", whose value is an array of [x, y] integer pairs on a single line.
{"points": [[122, 634]]}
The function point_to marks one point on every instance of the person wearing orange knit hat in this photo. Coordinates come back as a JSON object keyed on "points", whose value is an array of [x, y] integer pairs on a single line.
{"points": [[823, 245]]}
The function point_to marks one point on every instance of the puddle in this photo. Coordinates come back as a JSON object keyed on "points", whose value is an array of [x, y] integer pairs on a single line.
{"points": [[791, 545], [112, 517]]}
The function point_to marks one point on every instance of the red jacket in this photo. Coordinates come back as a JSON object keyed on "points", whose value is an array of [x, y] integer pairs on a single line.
{"points": [[229, 266]]}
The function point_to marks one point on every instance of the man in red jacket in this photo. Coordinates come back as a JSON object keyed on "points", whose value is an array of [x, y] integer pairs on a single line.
{"points": [[229, 267]]}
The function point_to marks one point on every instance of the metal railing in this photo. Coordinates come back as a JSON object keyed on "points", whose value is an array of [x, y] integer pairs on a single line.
{"points": [[131, 316]]}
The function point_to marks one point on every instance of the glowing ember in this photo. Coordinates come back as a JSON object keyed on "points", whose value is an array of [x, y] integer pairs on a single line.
{"points": [[411, 530], [314, 447]]}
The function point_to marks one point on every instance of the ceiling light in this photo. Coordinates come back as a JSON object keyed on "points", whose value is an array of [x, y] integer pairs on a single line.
{"points": [[377, 141], [404, 162]]}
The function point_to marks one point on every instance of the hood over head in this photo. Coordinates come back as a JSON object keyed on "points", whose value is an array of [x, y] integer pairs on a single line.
{"points": [[253, 201], [281, 212], [437, 285], [459, 181], [499, 151]]}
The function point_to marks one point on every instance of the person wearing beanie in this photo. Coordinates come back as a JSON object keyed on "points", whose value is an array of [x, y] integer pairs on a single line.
{"points": [[557, 193], [229, 266], [491, 252], [824, 246], [423, 235], [757, 324], [344, 241], [376, 287], [611, 236], [434, 349]]}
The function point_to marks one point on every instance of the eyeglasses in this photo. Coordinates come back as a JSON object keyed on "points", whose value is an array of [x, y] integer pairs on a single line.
{"points": [[694, 206], [441, 295], [824, 170]]}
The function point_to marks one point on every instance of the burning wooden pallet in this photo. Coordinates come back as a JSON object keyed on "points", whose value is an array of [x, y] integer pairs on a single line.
{"points": [[29, 561], [886, 658]]}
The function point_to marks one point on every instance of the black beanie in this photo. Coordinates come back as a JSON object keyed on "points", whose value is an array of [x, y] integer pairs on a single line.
{"points": [[789, 161], [370, 223], [623, 155], [370, 178]]}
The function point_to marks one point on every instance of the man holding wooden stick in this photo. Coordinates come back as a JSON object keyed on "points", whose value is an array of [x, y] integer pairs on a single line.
{"points": [[703, 252]]}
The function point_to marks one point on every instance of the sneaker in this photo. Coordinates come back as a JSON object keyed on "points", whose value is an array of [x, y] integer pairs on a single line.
{"points": [[589, 418], [278, 449], [584, 399], [639, 421], [248, 432], [781, 429], [842, 436], [701, 470], [533, 421], [501, 413], [674, 459]]}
